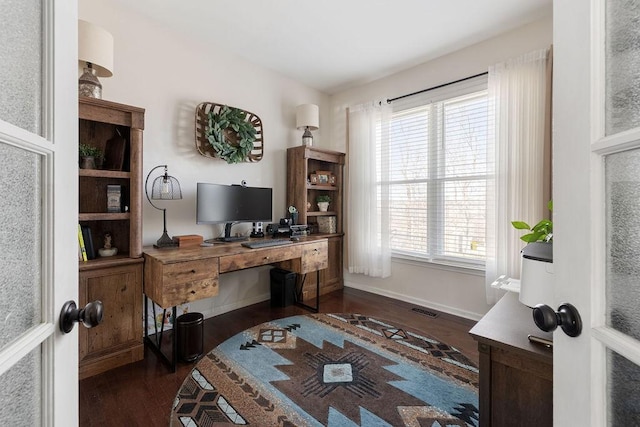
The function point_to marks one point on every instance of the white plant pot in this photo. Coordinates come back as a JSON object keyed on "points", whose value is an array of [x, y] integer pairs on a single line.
{"points": [[323, 206]]}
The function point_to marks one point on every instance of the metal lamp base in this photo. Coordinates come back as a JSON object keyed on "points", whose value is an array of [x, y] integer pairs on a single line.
{"points": [[307, 137], [89, 85], [165, 242]]}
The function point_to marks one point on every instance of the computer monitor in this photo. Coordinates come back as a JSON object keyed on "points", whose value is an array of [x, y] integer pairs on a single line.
{"points": [[231, 204]]}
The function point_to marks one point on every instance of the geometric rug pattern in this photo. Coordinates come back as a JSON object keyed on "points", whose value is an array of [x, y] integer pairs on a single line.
{"points": [[330, 370]]}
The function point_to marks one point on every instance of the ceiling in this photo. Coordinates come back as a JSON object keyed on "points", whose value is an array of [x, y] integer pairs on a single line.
{"points": [[332, 45]]}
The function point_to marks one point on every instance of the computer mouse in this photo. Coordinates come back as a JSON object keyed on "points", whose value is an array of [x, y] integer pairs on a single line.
{"points": [[295, 239]]}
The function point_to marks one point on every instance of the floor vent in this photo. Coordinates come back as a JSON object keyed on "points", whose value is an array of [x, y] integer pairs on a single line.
{"points": [[425, 312]]}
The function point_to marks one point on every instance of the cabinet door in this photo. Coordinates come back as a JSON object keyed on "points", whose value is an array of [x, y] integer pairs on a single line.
{"points": [[118, 339], [331, 277]]}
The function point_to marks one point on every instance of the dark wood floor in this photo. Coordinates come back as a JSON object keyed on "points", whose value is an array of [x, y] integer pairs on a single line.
{"points": [[141, 394]]}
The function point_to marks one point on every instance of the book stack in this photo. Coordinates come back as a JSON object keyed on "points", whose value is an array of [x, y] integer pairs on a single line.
{"points": [[86, 248]]}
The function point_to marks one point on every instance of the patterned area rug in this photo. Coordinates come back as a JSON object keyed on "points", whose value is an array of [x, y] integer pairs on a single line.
{"points": [[330, 370]]}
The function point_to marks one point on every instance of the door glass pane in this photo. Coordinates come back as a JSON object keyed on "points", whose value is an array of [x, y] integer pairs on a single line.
{"points": [[623, 383], [20, 247], [21, 389], [21, 59], [622, 58], [623, 241]]}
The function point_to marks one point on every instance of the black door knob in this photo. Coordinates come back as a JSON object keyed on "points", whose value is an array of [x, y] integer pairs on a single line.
{"points": [[90, 315], [567, 317]]}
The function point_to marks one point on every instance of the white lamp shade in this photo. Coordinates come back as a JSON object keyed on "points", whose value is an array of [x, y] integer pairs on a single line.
{"points": [[95, 45], [307, 115]]}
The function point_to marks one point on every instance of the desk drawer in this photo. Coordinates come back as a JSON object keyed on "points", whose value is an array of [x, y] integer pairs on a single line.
{"points": [[180, 293], [257, 257], [314, 257], [180, 282], [189, 271]]}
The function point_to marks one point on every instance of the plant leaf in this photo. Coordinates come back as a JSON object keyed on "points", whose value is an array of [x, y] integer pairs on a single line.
{"points": [[543, 226], [520, 225], [531, 237]]}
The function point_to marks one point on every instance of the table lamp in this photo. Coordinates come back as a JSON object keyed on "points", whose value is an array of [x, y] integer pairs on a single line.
{"points": [[307, 118], [164, 187], [95, 54]]}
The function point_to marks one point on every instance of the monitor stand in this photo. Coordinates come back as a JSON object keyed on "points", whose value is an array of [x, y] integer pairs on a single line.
{"points": [[227, 234]]}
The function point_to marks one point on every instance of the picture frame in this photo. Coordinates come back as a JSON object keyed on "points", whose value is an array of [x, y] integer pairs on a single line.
{"points": [[324, 177], [313, 178]]}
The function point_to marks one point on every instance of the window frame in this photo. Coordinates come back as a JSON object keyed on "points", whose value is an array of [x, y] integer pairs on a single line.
{"points": [[436, 179]]}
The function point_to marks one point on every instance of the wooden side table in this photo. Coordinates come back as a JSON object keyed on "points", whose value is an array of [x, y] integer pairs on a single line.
{"points": [[516, 375]]}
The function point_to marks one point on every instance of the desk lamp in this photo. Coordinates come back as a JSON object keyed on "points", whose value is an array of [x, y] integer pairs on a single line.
{"points": [[307, 118], [164, 187], [95, 54]]}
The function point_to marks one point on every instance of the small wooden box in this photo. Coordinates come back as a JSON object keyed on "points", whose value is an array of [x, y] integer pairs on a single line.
{"points": [[188, 240], [327, 224]]}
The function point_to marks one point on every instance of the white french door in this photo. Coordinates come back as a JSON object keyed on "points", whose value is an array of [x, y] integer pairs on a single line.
{"points": [[38, 214], [597, 210]]}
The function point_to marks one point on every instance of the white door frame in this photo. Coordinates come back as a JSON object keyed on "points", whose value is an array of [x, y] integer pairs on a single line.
{"points": [[64, 108]]}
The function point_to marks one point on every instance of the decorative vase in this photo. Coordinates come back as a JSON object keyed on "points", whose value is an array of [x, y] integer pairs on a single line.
{"points": [[87, 162], [294, 218], [323, 206]]}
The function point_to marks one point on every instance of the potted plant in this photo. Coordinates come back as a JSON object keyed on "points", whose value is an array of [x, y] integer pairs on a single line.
{"points": [[536, 276], [541, 232], [323, 201], [88, 156]]}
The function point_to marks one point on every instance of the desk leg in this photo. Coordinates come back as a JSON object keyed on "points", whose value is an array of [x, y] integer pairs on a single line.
{"points": [[156, 343], [300, 298]]}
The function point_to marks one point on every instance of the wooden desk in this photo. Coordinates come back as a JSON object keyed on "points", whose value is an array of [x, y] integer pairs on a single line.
{"points": [[516, 376], [176, 276]]}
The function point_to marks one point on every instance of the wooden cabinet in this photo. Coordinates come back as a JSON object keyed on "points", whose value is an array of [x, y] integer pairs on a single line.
{"points": [[516, 375], [118, 339], [302, 163], [116, 130]]}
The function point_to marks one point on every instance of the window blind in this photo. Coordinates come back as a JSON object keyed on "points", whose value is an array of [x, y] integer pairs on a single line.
{"points": [[437, 167]]}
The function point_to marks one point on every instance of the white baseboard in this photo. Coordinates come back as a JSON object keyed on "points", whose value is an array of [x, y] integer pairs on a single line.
{"points": [[216, 311], [413, 300]]}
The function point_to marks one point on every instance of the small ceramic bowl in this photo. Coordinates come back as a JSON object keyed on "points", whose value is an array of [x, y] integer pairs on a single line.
{"points": [[108, 252]]}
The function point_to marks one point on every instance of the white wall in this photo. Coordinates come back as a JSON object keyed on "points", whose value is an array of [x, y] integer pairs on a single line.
{"points": [[169, 76], [461, 293]]}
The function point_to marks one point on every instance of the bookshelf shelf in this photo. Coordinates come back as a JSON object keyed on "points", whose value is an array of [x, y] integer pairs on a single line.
{"points": [[113, 261], [318, 213], [104, 216], [99, 173], [322, 187]]}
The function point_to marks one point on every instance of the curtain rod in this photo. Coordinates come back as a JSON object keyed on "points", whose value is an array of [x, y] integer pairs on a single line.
{"points": [[389, 101]]}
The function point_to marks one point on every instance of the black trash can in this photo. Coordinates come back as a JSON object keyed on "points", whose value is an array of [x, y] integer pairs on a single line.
{"points": [[190, 336], [283, 287]]}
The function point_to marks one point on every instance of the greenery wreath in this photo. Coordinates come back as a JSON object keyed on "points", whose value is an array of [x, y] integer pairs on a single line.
{"points": [[230, 134]]}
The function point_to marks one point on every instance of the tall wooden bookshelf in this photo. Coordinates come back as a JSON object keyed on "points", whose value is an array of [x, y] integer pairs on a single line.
{"points": [[114, 280], [302, 162]]}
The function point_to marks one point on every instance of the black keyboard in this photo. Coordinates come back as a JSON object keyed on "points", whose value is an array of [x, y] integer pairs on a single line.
{"points": [[256, 244]]}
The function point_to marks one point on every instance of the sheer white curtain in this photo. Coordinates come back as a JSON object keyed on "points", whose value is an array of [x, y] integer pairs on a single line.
{"points": [[518, 99], [368, 249]]}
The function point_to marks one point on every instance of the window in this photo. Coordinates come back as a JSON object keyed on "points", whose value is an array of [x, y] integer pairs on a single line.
{"points": [[437, 172]]}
